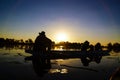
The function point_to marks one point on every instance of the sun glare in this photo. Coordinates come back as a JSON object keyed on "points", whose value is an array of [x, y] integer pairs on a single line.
{"points": [[61, 37]]}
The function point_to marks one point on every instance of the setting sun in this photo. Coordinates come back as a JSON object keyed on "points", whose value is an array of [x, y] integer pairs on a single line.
{"points": [[61, 37]]}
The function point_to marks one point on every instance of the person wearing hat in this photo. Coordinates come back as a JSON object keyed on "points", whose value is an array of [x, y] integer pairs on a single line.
{"points": [[42, 48], [42, 42]]}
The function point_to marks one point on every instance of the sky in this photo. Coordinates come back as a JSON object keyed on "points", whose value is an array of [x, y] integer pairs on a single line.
{"points": [[79, 20]]}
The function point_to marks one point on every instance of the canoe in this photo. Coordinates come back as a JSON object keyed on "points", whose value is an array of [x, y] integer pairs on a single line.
{"points": [[57, 54]]}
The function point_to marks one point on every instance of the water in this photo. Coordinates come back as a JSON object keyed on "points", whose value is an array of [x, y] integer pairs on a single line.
{"points": [[14, 67]]}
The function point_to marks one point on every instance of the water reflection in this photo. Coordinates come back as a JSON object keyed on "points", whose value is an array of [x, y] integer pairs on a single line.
{"points": [[41, 65], [61, 71], [87, 58], [86, 65], [83, 68], [65, 66]]}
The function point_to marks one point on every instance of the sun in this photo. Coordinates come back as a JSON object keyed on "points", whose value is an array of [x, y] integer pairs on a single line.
{"points": [[61, 37]]}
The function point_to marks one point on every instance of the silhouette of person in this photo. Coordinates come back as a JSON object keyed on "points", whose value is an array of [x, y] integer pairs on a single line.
{"points": [[42, 43], [98, 47], [109, 47], [42, 49], [85, 46], [91, 48]]}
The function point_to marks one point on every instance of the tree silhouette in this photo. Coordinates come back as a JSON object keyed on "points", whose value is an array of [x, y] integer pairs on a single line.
{"points": [[116, 47], [109, 46]]}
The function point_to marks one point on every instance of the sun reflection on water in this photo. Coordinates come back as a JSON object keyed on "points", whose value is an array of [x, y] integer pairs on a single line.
{"points": [[61, 71]]}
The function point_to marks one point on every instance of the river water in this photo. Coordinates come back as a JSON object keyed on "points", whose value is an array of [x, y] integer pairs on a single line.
{"points": [[13, 66]]}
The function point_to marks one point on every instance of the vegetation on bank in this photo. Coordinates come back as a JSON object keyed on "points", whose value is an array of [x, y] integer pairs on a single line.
{"points": [[65, 45]]}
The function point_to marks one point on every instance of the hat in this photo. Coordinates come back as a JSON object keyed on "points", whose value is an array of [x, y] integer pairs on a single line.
{"points": [[42, 33]]}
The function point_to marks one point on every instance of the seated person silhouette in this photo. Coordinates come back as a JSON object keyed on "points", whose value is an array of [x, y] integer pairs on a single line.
{"points": [[41, 50], [98, 47], [85, 46]]}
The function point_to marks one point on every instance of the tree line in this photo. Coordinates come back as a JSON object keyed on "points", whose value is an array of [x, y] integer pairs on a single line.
{"points": [[85, 46], [65, 45], [14, 41]]}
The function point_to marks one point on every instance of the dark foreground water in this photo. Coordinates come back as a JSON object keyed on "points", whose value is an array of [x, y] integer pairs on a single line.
{"points": [[13, 66]]}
